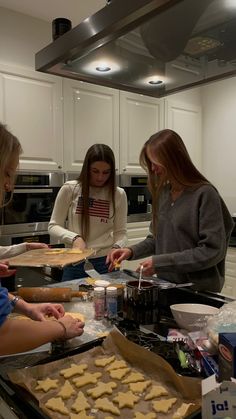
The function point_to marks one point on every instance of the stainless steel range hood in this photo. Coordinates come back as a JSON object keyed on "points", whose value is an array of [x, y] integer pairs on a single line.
{"points": [[152, 47]]}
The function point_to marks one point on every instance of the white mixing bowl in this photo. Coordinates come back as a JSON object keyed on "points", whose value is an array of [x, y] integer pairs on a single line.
{"points": [[192, 316]]}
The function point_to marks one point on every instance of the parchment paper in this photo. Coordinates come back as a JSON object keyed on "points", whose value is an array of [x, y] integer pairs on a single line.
{"points": [[153, 366]]}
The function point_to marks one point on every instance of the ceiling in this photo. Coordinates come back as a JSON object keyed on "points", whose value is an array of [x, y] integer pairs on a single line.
{"points": [[75, 10]]}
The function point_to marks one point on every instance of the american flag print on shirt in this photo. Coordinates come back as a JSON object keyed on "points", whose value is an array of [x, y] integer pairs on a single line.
{"points": [[97, 207]]}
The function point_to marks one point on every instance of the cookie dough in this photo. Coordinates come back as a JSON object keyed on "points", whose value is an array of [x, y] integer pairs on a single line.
{"points": [[156, 391], [134, 377], [140, 386], [102, 362], [73, 370], [119, 373], [127, 399], [115, 365], [57, 405], [46, 384], [163, 406], [80, 403], [106, 406], [101, 389], [87, 378], [66, 391]]}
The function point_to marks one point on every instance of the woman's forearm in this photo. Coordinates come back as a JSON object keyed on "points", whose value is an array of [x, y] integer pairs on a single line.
{"points": [[24, 335]]}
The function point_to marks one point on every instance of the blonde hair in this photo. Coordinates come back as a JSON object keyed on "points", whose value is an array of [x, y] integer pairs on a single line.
{"points": [[10, 148]]}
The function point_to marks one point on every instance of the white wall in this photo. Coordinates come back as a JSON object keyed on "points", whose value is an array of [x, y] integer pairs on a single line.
{"points": [[219, 137], [21, 37], [191, 96]]}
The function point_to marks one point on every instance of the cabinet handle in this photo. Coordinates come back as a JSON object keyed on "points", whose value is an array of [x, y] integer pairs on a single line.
{"points": [[124, 170], [59, 167]]}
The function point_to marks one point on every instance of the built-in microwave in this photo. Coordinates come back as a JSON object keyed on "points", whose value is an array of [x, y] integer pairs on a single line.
{"points": [[26, 216], [138, 196]]}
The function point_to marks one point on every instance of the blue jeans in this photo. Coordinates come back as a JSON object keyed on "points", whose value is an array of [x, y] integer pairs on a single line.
{"points": [[76, 272]]}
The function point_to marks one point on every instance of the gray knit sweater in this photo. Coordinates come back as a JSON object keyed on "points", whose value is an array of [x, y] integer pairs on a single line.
{"points": [[192, 238]]}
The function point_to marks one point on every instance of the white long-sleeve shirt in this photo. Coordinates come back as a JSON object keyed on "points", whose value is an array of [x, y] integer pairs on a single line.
{"points": [[10, 251], [105, 230]]}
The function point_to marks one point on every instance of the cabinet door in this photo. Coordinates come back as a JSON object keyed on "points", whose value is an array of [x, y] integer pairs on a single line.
{"points": [[31, 107], [140, 117], [136, 232], [185, 119], [91, 115]]}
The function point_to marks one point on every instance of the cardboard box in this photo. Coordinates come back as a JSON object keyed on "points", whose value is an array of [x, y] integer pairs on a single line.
{"points": [[227, 356], [218, 399]]}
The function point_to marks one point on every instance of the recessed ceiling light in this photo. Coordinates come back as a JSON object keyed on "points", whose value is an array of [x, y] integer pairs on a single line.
{"points": [[103, 68], [155, 82]]}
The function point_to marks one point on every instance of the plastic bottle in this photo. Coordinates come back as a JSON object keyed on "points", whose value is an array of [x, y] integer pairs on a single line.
{"points": [[99, 302], [111, 302]]}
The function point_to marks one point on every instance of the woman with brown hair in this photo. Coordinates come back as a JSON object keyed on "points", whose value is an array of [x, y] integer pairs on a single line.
{"points": [[95, 210], [18, 335], [191, 224]]}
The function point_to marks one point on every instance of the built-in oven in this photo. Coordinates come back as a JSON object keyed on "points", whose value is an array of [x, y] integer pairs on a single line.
{"points": [[26, 216], [138, 196]]}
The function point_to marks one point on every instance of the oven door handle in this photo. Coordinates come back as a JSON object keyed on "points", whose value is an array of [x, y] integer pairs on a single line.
{"points": [[33, 190]]}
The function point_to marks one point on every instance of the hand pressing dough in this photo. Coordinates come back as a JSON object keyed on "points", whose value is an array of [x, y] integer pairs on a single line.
{"points": [[120, 373], [156, 391], [163, 406], [80, 403], [116, 365], [101, 389], [87, 378], [73, 370], [127, 399], [77, 316], [66, 391], [46, 384], [102, 362], [134, 377], [140, 386], [106, 406], [57, 405], [182, 411]]}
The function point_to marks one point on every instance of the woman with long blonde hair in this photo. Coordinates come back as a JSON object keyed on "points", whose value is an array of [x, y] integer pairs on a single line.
{"points": [[17, 335], [191, 224]]}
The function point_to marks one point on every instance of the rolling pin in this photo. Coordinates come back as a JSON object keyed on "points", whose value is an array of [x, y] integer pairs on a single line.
{"points": [[43, 294]]}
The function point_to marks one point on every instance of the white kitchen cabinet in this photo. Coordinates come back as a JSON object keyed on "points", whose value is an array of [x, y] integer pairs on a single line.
{"points": [[31, 107], [136, 232], [229, 288], [91, 115], [140, 117], [186, 120]]}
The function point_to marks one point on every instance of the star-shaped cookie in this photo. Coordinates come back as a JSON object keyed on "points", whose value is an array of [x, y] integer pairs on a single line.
{"points": [[87, 378], [67, 390], [156, 391], [46, 384], [73, 370], [163, 406], [126, 399]]}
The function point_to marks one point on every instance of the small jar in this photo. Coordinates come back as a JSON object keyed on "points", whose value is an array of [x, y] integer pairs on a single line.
{"points": [[120, 298], [111, 302], [99, 302]]}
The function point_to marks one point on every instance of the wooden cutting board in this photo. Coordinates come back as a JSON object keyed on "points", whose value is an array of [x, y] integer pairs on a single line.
{"points": [[49, 257]]}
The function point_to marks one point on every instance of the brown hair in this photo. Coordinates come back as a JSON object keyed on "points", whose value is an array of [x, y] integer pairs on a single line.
{"points": [[97, 152], [172, 155], [9, 148]]}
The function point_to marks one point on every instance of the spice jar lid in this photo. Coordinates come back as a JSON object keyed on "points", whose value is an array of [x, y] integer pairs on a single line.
{"points": [[111, 289], [99, 289], [101, 283]]}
